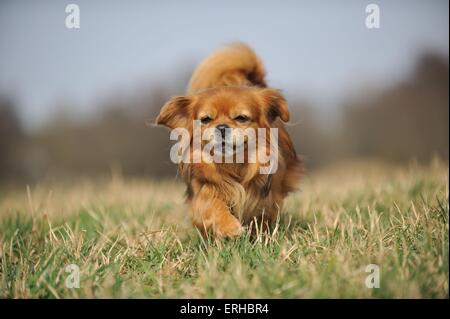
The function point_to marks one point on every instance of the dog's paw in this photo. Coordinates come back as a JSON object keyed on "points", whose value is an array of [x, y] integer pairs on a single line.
{"points": [[229, 227]]}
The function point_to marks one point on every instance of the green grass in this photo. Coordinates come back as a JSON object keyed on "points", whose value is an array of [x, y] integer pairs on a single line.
{"points": [[133, 238]]}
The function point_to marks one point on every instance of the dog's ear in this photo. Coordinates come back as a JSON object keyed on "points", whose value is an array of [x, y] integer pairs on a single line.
{"points": [[175, 113], [275, 105]]}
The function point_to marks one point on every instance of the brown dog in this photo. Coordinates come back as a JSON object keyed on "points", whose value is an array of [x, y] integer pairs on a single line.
{"points": [[228, 90]]}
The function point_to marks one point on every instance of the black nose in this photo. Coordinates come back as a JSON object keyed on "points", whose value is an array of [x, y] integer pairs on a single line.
{"points": [[222, 129]]}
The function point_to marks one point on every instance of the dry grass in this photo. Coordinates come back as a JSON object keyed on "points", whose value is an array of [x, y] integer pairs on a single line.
{"points": [[132, 238]]}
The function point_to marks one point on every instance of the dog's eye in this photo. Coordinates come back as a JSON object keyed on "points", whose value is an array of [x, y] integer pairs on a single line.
{"points": [[242, 118], [205, 119]]}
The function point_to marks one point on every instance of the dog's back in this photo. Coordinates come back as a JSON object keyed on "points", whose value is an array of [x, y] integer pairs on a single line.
{"points": [[236, 64]]}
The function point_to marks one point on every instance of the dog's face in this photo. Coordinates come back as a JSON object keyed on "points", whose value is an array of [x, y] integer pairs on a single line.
{"points": [[224, 117], [223, 110]]}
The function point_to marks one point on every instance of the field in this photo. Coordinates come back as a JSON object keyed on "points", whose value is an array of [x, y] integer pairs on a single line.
{"points": [[132, 238]]}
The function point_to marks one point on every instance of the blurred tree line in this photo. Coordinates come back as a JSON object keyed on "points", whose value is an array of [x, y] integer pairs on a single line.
{"points": [[407, 121]]}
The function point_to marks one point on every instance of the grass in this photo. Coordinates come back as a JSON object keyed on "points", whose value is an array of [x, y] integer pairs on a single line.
{"points": [[132, 238]]}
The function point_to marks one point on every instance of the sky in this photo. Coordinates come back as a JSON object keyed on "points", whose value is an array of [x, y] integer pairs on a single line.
{"points": [[319, 51]]}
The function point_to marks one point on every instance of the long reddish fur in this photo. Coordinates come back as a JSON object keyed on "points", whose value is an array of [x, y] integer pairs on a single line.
{"points": [[224, 197]]}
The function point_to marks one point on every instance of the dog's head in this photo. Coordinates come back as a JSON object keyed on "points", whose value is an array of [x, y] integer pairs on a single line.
{"points": [[225, 109]]}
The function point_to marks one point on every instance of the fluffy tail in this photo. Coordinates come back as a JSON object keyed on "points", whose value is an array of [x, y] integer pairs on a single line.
{"points": [[236, 64]]}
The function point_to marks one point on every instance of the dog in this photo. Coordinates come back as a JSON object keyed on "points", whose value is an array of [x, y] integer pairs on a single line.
{"points": [[228, 91]]}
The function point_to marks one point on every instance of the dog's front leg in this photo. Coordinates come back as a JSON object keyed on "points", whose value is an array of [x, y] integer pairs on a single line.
{"points": [[209, 212]]}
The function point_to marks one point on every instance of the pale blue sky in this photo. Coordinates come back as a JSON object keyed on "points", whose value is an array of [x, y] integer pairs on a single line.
{"points": [[316, 50]]}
